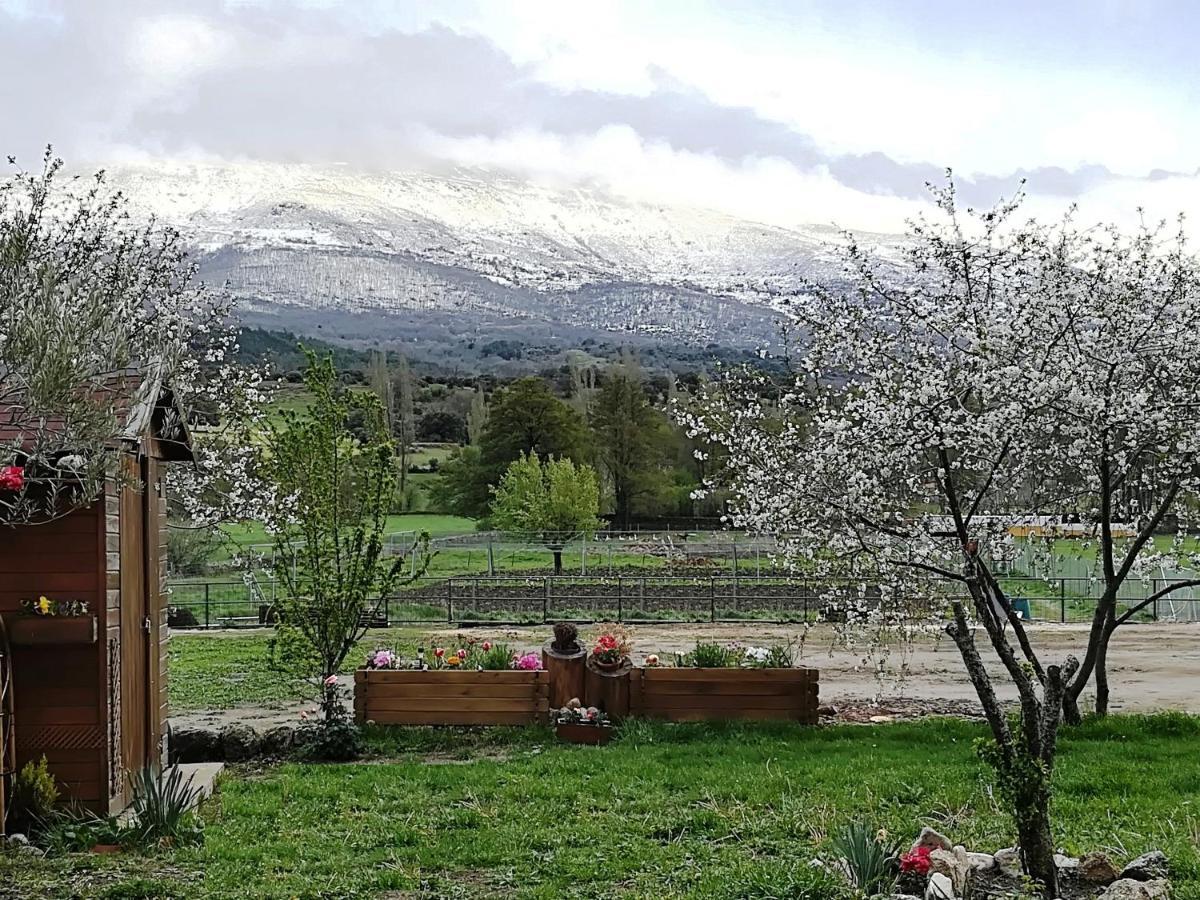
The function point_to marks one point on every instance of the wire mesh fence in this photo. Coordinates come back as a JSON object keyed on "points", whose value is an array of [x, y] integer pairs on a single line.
{"points": [[532, 598]]}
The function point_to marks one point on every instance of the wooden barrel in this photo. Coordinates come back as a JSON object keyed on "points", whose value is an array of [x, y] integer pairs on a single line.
{"points": [[566, 675], [608, 689]]}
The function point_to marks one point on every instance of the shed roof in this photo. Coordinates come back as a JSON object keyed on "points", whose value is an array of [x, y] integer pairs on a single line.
{"points": [[144, 405]]}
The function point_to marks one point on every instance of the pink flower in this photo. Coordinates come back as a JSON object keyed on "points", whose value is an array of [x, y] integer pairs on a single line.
{"points": [[462, 654], [530, 662], [487, 645], [439, 652]]}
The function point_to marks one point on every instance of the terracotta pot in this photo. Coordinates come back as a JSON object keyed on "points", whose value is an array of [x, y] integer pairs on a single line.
{"points": [[578, 733], [607, 666]]}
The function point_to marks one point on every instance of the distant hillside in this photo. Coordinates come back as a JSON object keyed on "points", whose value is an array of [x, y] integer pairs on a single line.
{"points": [[440, 267]]}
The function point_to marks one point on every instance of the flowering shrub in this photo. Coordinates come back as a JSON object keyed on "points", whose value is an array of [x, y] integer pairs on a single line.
{"points": [[12, 478], [612, 645], [529, 662], [915, 860], [44, 606]]}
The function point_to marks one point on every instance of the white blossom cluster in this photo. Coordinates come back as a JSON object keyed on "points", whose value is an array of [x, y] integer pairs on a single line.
{"points": [[96, 312], [1004, 370]]}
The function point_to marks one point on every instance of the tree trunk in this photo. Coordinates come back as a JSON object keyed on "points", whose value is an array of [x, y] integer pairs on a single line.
{"points": [[1102, 691], [1036, 840]]}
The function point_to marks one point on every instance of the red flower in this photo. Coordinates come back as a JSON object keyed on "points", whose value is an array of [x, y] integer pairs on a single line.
{"points": [[12, 478], [487, 645], [915, 860]]}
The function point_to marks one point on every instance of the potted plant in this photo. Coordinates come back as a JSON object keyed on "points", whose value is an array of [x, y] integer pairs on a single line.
{"points": [[47, 621], [610, 651], [578, 724]]}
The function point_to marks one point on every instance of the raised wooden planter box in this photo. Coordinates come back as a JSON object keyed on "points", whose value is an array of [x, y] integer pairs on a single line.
{"points": [[689, 695], [402, 697], [31, 631], [578, 733]]}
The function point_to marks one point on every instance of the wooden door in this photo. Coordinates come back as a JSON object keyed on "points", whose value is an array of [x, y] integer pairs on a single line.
{"points": [[134, 655]]}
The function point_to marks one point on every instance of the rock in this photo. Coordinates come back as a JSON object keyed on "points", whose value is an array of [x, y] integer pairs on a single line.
{"points": [[1147, 867], [192, 745], [1129, 889], [1065, 863], [1009, 862], [18, 840], [828, 711], [955, 865], [240, 742], [277, 741], [981, 862], [940, 887], [933, 840], [1097, 868]]}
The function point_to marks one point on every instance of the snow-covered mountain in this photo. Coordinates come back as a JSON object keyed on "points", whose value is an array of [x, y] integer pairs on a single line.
{"points": [[471, 253]]}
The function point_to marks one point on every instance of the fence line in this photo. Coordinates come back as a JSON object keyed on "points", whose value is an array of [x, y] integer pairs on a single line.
{"points": [[533, 599]]}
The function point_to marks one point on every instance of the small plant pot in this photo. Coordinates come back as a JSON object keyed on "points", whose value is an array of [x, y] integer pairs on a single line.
{"points": [[33, 631], [106, 848], [608, 666], [578, 733]]}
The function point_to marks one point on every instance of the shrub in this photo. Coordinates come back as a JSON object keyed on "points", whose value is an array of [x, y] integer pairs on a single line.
{"points": [[566, 638], [78, 831], [869, 861], [163, 807], [34, 794], [336, 741], [181, 617]]}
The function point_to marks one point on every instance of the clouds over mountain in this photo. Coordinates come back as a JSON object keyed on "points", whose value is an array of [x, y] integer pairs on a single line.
{"points": [[457, 85]]}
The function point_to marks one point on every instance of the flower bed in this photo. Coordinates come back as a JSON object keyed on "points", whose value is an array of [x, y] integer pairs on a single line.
{"points": [[448, 697], [695, 694]]}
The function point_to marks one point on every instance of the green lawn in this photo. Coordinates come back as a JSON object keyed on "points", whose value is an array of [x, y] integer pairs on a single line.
{"points": [[218, 671], [246, 534], [665, 811]]}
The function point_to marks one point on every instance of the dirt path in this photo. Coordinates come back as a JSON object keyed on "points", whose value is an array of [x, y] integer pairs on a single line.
{"points": [[1152, 667]]}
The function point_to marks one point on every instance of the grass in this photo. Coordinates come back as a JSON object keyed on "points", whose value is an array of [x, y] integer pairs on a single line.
{"points": [[665, 811], [223, 670]]}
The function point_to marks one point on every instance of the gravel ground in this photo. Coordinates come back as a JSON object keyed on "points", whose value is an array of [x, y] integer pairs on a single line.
{"points": [[1152, 667]]}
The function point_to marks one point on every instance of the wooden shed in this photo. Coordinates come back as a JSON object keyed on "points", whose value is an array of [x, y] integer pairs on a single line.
{"points": [[90, 692]]}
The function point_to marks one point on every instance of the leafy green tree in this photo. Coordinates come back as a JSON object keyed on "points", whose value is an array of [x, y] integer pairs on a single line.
{"points": [[556, 499], [526, 417], [327, 516], [633, 442], [461, 488]]}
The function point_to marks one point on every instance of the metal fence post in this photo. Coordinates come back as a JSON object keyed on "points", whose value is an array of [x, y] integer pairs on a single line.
{"points": [[449, 601], [620, 608], [1062, 601], [712, 598], [545, 600], [206, 604]]}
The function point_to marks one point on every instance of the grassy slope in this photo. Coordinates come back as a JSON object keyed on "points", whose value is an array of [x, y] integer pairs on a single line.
{"points": [[695, 811]]}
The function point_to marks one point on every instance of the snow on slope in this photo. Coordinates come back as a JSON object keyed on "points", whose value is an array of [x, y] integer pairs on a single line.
{"points": [[334, 238]]}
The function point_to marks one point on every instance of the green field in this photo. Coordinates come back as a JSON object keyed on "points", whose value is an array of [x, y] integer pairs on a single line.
{"points": [[727, 812], [253, 534]]}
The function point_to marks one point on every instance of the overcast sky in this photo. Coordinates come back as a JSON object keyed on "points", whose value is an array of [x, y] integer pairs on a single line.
{"points": [[786, 112]]}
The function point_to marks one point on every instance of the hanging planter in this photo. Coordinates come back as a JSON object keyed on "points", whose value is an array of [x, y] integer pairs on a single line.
{"points": [[47, 621], [31, 631]]}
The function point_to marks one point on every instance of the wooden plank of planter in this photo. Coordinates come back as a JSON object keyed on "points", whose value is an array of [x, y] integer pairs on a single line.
{"points": [[449, 691], [720, 702], [718, 687], [469, 704], [446, 717], [451, 676]]}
